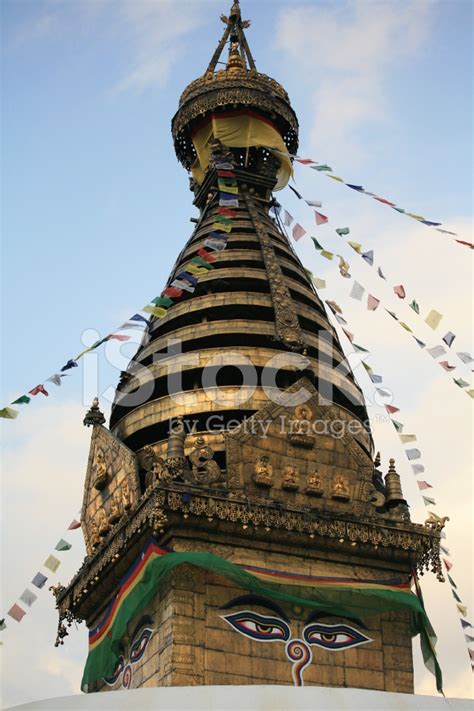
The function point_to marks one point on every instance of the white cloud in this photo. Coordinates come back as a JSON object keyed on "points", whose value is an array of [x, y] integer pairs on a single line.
{"points": [[348, 50]]}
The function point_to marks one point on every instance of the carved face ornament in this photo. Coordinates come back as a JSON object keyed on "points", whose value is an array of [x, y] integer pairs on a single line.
{"points": [[271, 628]]}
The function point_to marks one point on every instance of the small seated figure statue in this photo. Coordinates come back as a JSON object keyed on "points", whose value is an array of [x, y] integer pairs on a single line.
{"points": [[315, 484], [104, 527], [263, 471], [116, 507], [290, 478], [340, 488], [300, 427], [126, 496], [100, 468]]}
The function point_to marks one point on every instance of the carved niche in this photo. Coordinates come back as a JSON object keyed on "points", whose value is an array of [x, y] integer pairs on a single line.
{"points": [[112, 486]]}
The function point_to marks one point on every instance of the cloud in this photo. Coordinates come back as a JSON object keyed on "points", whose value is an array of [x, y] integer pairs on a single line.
{"points": [[349, 50]]}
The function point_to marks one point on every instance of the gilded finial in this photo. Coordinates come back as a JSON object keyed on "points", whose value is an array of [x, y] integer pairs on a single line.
{"points": [[394, 487], [94, 416]]}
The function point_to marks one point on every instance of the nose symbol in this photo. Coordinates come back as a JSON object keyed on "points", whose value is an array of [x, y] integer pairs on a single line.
{"points": [[300, 655], [127, 677]]}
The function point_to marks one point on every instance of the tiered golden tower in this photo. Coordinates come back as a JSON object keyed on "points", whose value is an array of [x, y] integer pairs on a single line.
{"points": [[240, 441]]}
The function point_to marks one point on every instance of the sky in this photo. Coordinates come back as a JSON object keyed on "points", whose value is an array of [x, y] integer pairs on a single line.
{"points": [[95, 209]]}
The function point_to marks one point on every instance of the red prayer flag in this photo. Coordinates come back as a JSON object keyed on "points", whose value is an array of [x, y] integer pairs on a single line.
{"points": [[349, 335], [39, 389], [461, 241], [227, 212], [226, 174], [172, 291], [16, 612], [74, 524], [298, 232], [206, 255], [305, 161], [117, 337], [423, 485], [372, 302], [399, 291], [448, 564], [386, 202], [320, 218], [444, 364], [391, 409]]}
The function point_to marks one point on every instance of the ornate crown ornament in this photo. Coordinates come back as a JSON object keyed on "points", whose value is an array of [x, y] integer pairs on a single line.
{"points": [[239, 85]]}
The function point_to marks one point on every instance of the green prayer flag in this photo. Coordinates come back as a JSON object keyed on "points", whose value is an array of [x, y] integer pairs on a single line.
{"points": [[23, 400], [202, 262], [462, 383], [316, 243], [164, 301], [415, 307], [359, 348], [367, 367], [451, 581], [398, 425], [62, 545], [341, 231], [321, 167], [8, 413], [428, 501]]}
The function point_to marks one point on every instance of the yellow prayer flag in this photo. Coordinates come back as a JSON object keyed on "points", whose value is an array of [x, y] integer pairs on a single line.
{"points": [[433, 319], [229, 188], [321, 284], [220, 226], [407, 438], [157, 311], [328, 255], [356, 246], [335, 177], [8, 413], [470, 393], [415, 217], [52, 563], [462, 609], [405, 326], [196, 270]]}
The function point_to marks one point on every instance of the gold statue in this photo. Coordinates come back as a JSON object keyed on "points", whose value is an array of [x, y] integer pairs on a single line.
{"points": [[290, 479], [300, 427], [264, 471], [435, 522], [126, 496], [315, 484], [100, 468], [340, 488], [104, 527], [94, 534], [116, 507]]}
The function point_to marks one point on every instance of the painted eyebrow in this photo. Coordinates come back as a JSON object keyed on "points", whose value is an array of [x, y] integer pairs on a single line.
{"points": [[256, 600], [318, 615], [145, 620]]}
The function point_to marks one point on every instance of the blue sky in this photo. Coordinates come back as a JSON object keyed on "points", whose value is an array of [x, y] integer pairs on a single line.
{"points": [[95, 208]]}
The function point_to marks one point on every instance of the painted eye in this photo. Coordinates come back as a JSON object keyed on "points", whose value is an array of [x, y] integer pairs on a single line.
{"points": [[261, 627], [334, 637], [110, 680], [138, 648]]}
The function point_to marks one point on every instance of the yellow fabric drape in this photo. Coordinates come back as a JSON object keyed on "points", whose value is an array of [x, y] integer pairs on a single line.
{"points": [[243, 131]]}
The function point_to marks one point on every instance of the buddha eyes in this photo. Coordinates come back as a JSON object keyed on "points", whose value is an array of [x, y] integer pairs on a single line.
{"points": [[334, 637], [138, 647], [110, 680], [261, 627]]}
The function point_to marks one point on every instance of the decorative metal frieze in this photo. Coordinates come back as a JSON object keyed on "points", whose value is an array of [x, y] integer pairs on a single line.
{"points": [[287, 326]]}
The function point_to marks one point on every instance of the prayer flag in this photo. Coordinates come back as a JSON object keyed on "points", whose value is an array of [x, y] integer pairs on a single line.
{"points": [[56, 379], [8, 413], [415, 217], [38, 389], [314, 203], [4, 627], [287, 218], [465, 624], [227, 212], [428, 501], [446, 232], [467, 244], [465, 357], [316, 243], [470, 393], [449, 338], [229, 186], [16, 612], [391, 409], [139, 317], [193, 268], [398, 425], [433, 319], [420, 343], [445, 550], [431, 224], [348, 334], [413, 454], [463, 610], [367, 367], [399, 291], [304, 161], [224, 166], [383, 392], [405, 438], [39, 580], [398, 209], [169, 291], [207, 256], [355, 246], [417, 469], [405, 326], [298, 232], [343, 265], [222, 219], [23, 400], [368, 257], [375, 378], [341, 231], [202, 263], [225, 174], [359, 188], [28, 597], [117, 337], [319, 283], [222, 227], [392, 314], [323, 168], [436, 351], [335, 308], [62, 545], [380, 273], [340, 320], [444, 364], [386, 202], [52, 563], [454, 593], [157, 311], [228, 200], [216, 245], [460, 382], [326, 254], [164, 301], [74, 525], [357, 291], [360, 349], [70, 364], [372, 302], [469, 638], [336, 177], [187, 277], [422, 485], [300, 197], [319, 217], [415, 307]]}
